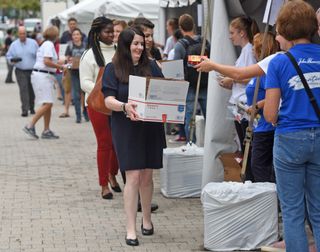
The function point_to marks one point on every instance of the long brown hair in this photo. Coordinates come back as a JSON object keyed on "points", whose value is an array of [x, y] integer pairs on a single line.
{"points": [[122, 60], [246, 24], [271, 45]]}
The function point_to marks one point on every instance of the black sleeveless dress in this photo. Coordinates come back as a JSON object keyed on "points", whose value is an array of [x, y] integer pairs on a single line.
{"points": [[138, 145]]}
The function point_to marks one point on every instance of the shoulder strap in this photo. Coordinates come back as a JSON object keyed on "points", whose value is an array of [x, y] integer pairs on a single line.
{"points": [[305, 84], [184, 42]]}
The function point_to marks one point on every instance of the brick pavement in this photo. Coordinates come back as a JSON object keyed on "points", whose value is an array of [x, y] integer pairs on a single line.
{"points": [[50, 198]]}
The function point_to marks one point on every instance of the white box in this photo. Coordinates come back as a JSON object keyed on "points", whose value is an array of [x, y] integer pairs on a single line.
{"points": [[181, 175], [158, 99], [239, 216], [173, 69]]}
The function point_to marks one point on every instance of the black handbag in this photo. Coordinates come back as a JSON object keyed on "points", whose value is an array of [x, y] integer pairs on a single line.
{"points": [[312, 99]]}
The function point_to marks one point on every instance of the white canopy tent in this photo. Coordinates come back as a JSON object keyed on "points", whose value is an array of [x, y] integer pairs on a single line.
{"points": [[87, 10]]}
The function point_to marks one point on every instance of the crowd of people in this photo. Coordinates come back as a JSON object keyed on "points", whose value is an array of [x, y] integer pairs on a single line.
{"points": [[285, 139], [289, 119]]}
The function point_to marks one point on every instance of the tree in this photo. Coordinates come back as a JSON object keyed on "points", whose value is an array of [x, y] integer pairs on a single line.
{"points": [[30, 5]]}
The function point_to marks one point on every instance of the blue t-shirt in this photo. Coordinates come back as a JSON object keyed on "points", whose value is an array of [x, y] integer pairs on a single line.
{"points": [[263, 125], [296, 111]]}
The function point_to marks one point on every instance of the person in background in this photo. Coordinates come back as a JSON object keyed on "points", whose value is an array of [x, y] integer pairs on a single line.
{"points": [[39, 38], [187, 27], [177, 34], [242, 29], [100, 52], [172, 26], [22, 54], [42, 79], [139, 145], [118, 27], [67, 35], [147, 26], [73, 54], [7, 43], [297, 136], [178, 128], [263, 132], [37, 29], [60, 89]]}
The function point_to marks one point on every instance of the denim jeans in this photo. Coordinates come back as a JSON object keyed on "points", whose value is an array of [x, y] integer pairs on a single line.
{"points": [[296, 158], [202, 99], [76, 93], [59, 80]]}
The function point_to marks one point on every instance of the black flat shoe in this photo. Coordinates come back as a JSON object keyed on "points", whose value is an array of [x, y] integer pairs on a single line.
{"points": [[147, 231], [116, 188], [154, 207], [132, 242], [108, 196]]}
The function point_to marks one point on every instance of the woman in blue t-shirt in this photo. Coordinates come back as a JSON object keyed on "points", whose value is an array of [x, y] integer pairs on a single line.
{"points": [[297, 136], [262, 143]]}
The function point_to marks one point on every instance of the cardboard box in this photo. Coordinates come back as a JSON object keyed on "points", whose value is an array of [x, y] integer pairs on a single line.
{"points": [[231, 165], [158, 99], [173, 69]]}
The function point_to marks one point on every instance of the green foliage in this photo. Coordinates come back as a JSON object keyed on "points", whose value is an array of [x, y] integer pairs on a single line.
{"points": [[27, 5]]}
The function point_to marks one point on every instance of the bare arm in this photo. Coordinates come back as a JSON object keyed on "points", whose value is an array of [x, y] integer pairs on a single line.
{"points": [[227, 82], [271, 105], [130, 108], [49, 63], [236, 73]]}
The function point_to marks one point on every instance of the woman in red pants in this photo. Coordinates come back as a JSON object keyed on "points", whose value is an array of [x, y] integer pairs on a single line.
{"points": [[100, 52]]}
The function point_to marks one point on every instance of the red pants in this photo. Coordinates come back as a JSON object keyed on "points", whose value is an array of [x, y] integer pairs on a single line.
{"points": [[106, 156]]}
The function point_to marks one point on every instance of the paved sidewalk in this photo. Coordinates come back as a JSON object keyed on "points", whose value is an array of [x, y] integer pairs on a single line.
{"points": [[50, 197]]}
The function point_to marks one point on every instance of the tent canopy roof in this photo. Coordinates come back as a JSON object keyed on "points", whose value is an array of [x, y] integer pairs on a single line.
{"points": [[87, 10]]}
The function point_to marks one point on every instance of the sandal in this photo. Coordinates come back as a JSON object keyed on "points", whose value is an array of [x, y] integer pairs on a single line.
{"points": [[64, 115]]}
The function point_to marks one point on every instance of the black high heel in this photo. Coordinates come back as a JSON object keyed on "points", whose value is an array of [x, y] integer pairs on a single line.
{"points": [[132, 242], [145, 231]]}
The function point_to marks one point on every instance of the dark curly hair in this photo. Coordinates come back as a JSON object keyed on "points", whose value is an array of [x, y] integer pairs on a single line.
{"points": [[97, 25]]}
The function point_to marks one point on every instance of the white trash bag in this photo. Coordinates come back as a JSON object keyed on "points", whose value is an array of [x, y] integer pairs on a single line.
{"points": [[181, 175], [239, 216]]}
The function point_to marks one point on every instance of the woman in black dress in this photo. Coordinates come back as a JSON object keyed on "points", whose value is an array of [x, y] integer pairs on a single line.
{"points": [[139, 145]]}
